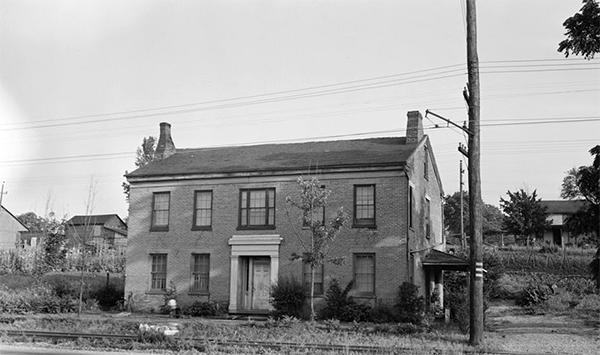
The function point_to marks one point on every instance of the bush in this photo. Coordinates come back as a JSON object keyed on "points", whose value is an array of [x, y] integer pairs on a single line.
{"points": [[533, 294], [108, 297], [589, 303], [40, 298], [456, 298], [383, 313], [203, 309], [336, 301], [287, 297], [410, 306]]}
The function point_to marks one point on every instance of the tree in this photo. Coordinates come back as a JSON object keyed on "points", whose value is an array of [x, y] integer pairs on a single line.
{"points": [[492, 216], [316, 238], [583, 31], [525, 216], [584, 182], [33, 222], [144, 156]]}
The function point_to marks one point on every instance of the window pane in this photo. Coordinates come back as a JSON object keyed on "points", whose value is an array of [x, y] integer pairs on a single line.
{"points": [[364, 273], [160, 215], [257, 207], [203, 208], [201, 268], [318, 278], [159, 272]]}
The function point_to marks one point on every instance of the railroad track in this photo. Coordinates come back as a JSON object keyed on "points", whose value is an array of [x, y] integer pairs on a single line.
{"points": [[202, 342]]}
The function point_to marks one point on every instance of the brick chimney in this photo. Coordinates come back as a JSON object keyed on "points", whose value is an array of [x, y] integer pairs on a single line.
{"points": [[165, 147], [414, 127]]}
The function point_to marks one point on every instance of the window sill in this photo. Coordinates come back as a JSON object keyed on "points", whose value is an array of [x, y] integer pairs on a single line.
{"points": [[199, 293], [365, 296], [202, 228], [365, 226], [159, 229], [241, 228], [156, 292]]}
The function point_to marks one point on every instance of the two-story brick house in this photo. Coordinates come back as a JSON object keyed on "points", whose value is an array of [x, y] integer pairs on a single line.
{"points": [[213, 221]]}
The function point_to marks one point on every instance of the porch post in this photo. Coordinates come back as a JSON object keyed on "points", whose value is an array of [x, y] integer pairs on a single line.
{"points": [[233, 283]]}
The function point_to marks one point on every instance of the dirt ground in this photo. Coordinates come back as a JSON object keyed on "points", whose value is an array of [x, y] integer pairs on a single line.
{"points": [[510, 328]]}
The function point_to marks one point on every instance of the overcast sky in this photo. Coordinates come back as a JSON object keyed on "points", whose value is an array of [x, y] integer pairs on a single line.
{"points": [[82, 82]]}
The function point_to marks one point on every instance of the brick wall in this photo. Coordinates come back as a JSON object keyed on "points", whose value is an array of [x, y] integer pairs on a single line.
{"points": [[388, 241]]}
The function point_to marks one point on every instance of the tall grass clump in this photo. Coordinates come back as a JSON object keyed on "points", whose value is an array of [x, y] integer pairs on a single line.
{"points": [[287, 297]]}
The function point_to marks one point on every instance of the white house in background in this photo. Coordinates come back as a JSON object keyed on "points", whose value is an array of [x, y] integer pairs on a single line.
{"points": [[10, 230], [558, 213]]}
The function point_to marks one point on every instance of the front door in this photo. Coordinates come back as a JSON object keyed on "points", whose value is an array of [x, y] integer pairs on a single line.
{"points": [[261, 284], [256, 281]]}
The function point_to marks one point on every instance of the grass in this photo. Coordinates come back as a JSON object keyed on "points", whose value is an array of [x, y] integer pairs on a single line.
{"points": [[446, 337]]}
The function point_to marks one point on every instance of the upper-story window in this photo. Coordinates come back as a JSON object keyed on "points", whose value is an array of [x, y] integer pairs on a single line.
{"points": [[257, 208], [317, 215], [160, 210], [364, 206], [202, 210]]}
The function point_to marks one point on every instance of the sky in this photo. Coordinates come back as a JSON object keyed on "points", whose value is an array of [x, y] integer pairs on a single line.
{"points": [[83, 82]]}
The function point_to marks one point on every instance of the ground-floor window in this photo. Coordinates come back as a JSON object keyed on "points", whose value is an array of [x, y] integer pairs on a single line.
{"points": [[200, 273], [318, 278], [159, 272], [364, 273]]}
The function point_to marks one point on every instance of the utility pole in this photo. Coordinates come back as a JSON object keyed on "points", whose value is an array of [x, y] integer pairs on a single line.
{"points": [[463, 240], [2, 193], [475, 204]]}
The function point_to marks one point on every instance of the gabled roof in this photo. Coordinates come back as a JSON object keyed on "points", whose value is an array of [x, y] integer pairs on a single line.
{"points": [[98, 219], [445, 261], [282, 157], [117, 230], [13, 216], [563, 206]]}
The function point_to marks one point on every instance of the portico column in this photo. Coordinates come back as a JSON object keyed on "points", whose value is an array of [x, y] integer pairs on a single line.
{"points": [[233, 283]]}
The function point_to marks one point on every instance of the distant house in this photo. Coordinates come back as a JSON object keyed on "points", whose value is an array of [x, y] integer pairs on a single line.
{"points": [[102, 230], [212, 222], [10, 230], [558, 213], [31, 239]]}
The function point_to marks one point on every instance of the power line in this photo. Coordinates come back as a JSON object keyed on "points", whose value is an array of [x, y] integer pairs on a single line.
{"points": [[129, 155], [294, 94]]}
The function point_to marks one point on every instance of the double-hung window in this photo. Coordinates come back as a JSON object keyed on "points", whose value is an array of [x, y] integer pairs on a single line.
{"points": [[364, 274], [257, 209], [318, 278], [364, 206], [202, 210], [160, 210], [158, 275], [200, 273]]}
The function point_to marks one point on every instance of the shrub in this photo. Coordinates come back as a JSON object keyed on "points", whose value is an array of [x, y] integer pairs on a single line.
{"points": [[533, 294], [383, 313], [287, 297], [410, 306], [337, 301], [202, 309], [589, 303], [456, 298], [108, 297]]}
